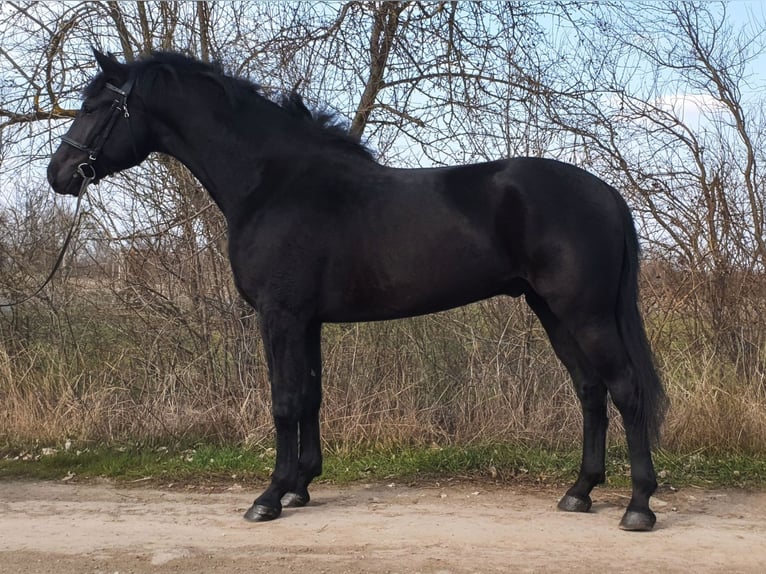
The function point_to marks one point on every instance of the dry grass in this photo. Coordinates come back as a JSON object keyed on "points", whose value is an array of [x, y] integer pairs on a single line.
{"points": [[482, 373], [149, 343], [713, 406]]}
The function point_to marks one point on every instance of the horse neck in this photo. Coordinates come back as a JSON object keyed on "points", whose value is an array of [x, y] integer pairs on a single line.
{"points": [[209, 140]]}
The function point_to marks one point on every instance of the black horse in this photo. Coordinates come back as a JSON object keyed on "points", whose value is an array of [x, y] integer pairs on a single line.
{"points": [[320, 232]]}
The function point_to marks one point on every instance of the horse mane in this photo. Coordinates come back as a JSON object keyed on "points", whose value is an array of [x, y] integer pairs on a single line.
{"points": [[334, 127], [331, 127]]}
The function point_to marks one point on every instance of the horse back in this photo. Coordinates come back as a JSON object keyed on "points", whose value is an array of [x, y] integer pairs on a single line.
{"points": [[379, 243]]}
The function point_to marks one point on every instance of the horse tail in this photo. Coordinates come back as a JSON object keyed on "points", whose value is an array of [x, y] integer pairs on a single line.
{"points": [[651, 395]]}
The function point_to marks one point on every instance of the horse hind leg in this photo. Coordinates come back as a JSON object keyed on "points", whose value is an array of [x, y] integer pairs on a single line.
{"points": [[591, 392], [603, 347]]}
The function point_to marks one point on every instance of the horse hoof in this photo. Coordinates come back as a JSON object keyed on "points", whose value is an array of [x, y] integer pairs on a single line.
{"points": [[635, 521], [295, 500], [571, 503], [261, 513]]}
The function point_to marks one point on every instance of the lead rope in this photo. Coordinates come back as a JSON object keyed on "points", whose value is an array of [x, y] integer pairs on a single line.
{"points": [[86, 180]]}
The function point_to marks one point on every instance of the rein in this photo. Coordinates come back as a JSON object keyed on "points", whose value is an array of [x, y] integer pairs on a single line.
{"points": [[87, 171], [86, 179]]}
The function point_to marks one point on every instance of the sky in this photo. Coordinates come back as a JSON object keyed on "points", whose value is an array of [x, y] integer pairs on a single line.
{"points": [[693, 107]]}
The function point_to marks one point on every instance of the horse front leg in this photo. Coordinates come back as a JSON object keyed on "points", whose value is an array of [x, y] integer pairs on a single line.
{"points": [[285, 345], [310, 447]]}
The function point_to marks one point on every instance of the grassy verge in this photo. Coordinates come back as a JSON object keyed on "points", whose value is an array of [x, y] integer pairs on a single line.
{"points": [[491, 463]]}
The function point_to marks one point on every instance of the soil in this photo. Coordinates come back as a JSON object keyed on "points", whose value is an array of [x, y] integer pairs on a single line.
{"points": [[63, 528]]}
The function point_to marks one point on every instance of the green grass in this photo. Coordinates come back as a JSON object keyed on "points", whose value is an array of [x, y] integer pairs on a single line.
{"points": [[490, 463], [131, 464]]}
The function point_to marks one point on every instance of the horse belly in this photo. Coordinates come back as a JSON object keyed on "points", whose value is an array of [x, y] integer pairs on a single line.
{"points": [[415, 282]]}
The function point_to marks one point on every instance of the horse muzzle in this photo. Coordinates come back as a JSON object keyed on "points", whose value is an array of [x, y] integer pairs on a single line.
{"points": [[68, 181]]}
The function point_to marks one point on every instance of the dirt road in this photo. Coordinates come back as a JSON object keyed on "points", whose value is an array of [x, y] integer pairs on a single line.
{"points": [[57, 528]]}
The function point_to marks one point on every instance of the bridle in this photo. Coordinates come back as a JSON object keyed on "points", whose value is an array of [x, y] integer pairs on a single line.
{"points": [[87, 171], [93, 149]]}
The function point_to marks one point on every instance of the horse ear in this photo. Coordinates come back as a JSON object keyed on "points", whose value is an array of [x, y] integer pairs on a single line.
{"points": [[110, 66]]}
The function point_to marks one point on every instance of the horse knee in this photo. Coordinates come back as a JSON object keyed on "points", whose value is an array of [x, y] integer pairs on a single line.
{"points": [[285, 411]]}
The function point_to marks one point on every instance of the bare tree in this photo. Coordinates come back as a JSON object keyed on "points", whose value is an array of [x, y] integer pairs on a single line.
{"points": [[658, 107], [652, 97]]}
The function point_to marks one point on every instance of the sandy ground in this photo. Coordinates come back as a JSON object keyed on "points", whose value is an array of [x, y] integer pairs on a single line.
{"points": [[58, 528]]}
